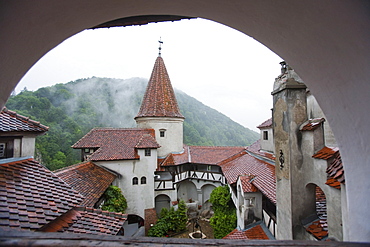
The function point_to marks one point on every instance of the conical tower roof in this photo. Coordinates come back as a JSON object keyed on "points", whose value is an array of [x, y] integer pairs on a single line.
{"points": [[159, 99]]}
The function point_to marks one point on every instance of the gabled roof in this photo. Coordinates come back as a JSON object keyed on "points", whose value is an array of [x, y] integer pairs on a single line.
{"points": [[10, 121], [202, 155], [31, 195], [88, 179], [256, 231], [159, 99], [256, 149], [263, 172], [116, 144], [266, 124], [246, 181], [87, 220]]}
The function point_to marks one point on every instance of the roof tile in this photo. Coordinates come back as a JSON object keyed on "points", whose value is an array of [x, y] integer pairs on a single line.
{"points": [[11, 121], [254, 233], [263, 172], [87, 220], [25, 211], [115, 144], [159, 99], [266, 124], [88, 179], [312, 124]]}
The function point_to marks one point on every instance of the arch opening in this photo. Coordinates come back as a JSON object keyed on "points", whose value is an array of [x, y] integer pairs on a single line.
{"points": [[302, 38]]}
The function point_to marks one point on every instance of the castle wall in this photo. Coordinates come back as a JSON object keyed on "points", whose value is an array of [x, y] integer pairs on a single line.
{"points": [[141, 196]]}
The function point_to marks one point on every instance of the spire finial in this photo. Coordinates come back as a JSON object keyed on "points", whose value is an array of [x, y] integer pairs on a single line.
{"points": [[160, 46]]}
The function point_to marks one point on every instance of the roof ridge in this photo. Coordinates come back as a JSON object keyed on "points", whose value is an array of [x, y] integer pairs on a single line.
{"points": [[231, 158], [71, 167], [24, 118]]}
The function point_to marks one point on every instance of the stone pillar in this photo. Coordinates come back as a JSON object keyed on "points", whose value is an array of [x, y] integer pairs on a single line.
{"points": [[289, 112]]}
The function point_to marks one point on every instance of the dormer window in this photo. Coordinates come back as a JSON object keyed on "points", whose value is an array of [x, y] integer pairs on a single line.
{"points": [[162, 132], [147, 152], [265, 135]]}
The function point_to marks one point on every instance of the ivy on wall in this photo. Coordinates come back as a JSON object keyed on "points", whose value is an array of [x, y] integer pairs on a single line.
{"points": [[224, 219], [114, 200]]}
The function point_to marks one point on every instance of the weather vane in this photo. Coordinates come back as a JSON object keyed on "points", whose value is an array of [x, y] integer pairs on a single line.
{"points": [[160, 45]]}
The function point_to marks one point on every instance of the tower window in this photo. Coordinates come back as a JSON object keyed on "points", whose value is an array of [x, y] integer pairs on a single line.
{"points": [[2, 150], [265, 135], [143, 180], [135, 181], [147, 152], [162, 133]]}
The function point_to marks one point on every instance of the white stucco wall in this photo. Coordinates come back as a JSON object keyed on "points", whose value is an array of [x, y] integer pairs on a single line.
{"points": [[17, 148], [172, 142], [267, 145], [141, 196], [28, 146], [314, 171], [314, 111]]}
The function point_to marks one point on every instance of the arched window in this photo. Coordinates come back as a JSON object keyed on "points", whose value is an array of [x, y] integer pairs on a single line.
{"points": [[143, 180], [135, 181]]}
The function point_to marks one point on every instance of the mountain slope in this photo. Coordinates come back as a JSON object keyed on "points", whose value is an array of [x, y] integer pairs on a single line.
{"points": [[74, 108]]}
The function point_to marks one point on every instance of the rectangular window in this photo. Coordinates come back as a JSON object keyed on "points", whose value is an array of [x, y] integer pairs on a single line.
{"points": [[161, 133], [2, 150], [147, 152], [265, 135]]}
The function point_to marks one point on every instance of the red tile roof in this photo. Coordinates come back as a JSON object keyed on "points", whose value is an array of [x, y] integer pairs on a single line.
{"points": [[317, 229], [246, 181], [87, 220], [254, 233], [263, 172], [116, 144], [31, 195], [159, 99], [256, 149], [10, 121], [325, 153], [87, 178], [266, 124], [336, 170], [312, 124], [205, 155]]}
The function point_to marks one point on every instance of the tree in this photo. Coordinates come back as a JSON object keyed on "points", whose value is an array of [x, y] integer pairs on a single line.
{"points": [[115, 201], [224, 218], [170, 221]]}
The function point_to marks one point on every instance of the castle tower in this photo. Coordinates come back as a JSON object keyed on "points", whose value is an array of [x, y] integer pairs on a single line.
{"points": [[289, 113], [159, 111]]}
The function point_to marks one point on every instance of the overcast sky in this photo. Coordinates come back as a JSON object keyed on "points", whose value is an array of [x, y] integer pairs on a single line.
{"points": [[219, 66]]}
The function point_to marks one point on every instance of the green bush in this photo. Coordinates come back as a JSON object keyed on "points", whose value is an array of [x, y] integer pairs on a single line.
{"points": [[170, 221], [224, 218], [114, 200]]}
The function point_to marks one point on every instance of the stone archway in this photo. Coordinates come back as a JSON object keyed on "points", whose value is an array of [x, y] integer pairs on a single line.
{"points": [[187, 191], [162, 201], [206, 192], [328, 50]]}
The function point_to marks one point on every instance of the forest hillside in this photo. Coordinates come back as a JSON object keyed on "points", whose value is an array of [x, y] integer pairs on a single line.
{"points": [[74, 108]]}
